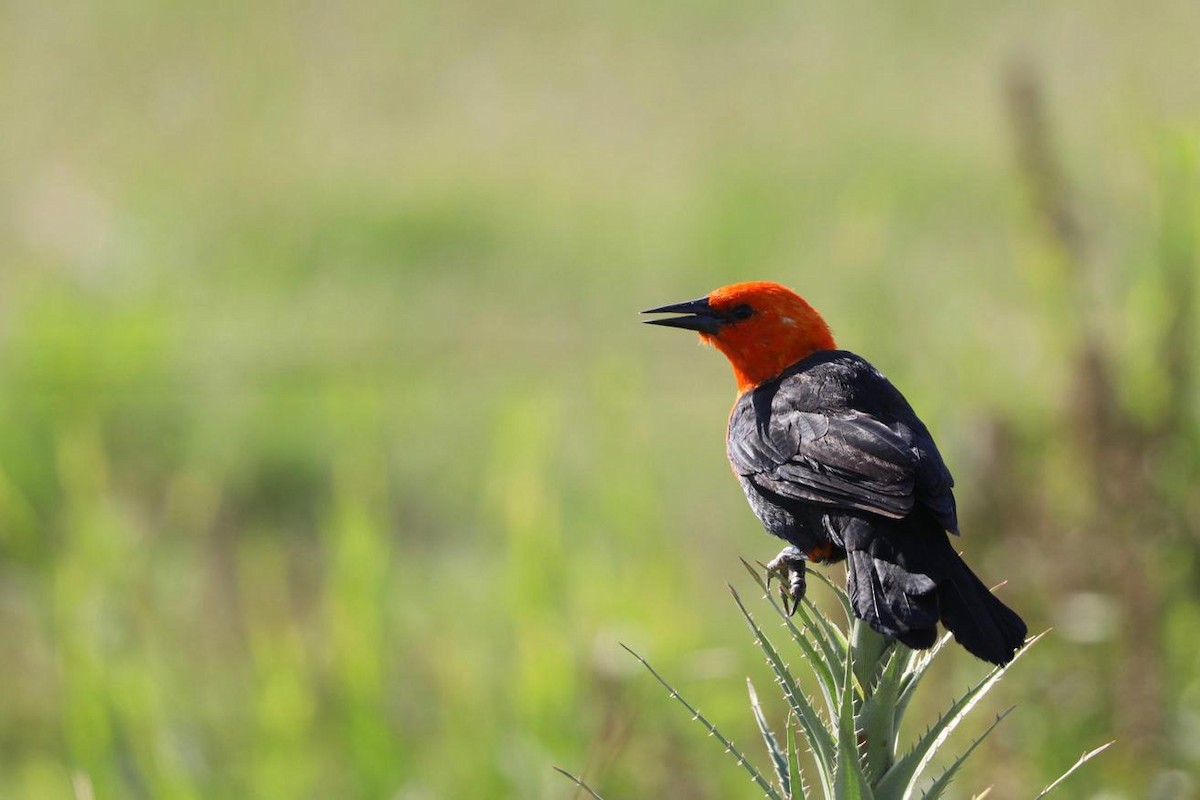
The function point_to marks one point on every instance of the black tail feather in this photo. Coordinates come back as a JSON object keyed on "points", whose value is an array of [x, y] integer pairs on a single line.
{"points": [[903, 592], [894, 602], [919, 639], [979, 621]]}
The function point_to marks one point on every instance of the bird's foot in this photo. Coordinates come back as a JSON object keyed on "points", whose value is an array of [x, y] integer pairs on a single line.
{"points": [[789, 566]]}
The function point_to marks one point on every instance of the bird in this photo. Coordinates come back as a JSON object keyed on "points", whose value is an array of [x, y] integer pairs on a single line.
{"points": [[834, 461]]}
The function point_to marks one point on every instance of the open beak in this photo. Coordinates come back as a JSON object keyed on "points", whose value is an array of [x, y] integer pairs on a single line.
{"points": [[699, 316]]}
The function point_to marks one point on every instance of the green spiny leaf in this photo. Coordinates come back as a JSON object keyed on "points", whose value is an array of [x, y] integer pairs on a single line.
{"points": [[1083, 759], [579, 782], [810, 721], [901, 779], [820, 657], [778, 757], [820, 667], [742, 761], [870, 649], [831, 643], [816, 656], [850, 781], [796, 775], [878, 717], [936, 789], [832, 633], [838, 592], [915, 671]]}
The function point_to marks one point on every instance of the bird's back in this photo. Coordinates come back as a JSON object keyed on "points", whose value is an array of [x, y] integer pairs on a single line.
{"points": [[834, 421]]}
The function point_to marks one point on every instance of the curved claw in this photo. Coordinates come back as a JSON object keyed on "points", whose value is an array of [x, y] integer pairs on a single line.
{"points": [[790, 566]]}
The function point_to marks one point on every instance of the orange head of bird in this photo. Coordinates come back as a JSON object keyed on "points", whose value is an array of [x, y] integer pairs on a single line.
{"points": [[761, 327]]}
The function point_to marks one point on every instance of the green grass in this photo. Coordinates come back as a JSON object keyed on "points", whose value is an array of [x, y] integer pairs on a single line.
{"points": [[333, 461]]}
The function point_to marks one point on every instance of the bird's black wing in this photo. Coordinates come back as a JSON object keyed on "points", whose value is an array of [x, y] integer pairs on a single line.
{"points": [[837, 433]]}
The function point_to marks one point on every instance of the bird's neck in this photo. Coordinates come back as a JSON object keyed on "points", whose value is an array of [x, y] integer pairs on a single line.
{"points": [[756, 362]]}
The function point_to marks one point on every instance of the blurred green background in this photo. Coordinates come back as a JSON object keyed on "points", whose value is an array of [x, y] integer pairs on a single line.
{"points": [[334, 463]]}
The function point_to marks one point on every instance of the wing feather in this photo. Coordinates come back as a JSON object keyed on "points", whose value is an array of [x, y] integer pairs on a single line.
{"points": [[854, 462], [803, 439]]}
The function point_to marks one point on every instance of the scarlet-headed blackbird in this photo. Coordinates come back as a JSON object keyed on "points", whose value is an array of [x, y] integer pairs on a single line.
{"points": [[833, 460]]}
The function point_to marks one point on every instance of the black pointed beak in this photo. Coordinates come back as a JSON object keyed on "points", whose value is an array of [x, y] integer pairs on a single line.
{"points": [[699, 316]]}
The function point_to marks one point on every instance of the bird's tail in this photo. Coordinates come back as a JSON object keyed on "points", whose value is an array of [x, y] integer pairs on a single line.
{"points": [[903, 594], [979, 621]]}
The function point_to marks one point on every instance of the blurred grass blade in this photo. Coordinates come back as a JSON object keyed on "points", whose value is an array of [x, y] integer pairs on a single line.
{"points": [[1083, 759], [778, 757], [742, 761], [819, 738], [579, 782], [938, 786]]}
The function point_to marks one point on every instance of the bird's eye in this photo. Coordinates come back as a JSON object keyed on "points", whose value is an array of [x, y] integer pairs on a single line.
{"points": [[741, 312]]}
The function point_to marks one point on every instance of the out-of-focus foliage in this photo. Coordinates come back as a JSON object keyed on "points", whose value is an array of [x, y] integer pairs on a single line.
{"points": [[334, 463]]}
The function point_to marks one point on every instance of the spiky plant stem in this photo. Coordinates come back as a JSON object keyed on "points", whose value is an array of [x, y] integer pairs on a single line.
{"points": [[852, 734]]}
